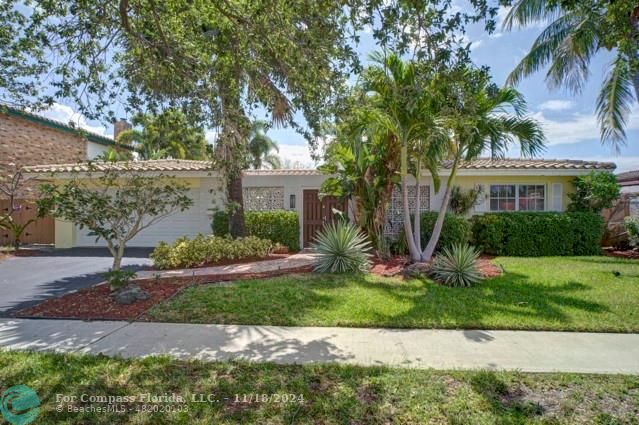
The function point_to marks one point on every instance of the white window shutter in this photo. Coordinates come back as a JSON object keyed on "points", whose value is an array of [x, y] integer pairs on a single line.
{"points": [[557, 196], [482, 202]]}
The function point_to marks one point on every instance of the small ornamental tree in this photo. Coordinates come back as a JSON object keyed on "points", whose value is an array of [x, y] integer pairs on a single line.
{"points": [[114, 203], [594, 192], [13, 186]]}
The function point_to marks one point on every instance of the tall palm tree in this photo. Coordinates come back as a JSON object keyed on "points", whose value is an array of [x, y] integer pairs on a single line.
{"points": [[481, 117], [578, 30], [401, 107], [260, 147]]}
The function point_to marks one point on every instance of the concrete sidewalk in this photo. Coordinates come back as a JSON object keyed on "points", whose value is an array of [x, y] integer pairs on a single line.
{"points": [[439, 349]]}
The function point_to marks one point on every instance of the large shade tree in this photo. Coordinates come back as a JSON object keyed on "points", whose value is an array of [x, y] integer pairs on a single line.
{"points": [[576, 31], [217, 60]]}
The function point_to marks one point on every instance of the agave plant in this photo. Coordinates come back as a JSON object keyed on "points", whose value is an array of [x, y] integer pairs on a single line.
{"points": [[342, 248], [457, 266]]}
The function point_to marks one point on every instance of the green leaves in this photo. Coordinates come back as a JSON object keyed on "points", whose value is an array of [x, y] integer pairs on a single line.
{"points": [[341, 248], [579, 30], [615, 101], [594, 192], [457, 266]]}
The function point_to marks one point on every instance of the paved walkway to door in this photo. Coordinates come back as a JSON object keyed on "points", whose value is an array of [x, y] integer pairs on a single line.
{"points": [[419, 348], [293, 263]]}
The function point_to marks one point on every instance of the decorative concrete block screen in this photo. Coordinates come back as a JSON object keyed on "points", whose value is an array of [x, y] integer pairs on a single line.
{"points": [[634, 205], [394, 219], [263, 198]]}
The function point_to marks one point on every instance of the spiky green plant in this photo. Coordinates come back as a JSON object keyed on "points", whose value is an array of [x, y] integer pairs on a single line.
{"points": [[457, 266], [342, 248]]}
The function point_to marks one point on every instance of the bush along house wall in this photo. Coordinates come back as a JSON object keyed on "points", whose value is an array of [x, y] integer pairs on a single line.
{"points": [[278, 226], [538, 234], [456, 229]]}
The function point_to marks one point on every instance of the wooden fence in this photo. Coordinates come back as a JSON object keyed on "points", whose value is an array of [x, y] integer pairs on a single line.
{"points": [[42, 231]]}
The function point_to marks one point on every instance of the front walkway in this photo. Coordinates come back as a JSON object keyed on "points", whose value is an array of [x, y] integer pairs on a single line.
{"points": [[439, 349], [291, 263]]}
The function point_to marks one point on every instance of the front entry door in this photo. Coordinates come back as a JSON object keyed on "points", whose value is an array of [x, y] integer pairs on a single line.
{"points": [[317, 212]]}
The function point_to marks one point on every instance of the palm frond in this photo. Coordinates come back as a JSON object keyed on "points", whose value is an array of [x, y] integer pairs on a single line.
{"points": [[526, 12], [542, 50], [614, 102]]}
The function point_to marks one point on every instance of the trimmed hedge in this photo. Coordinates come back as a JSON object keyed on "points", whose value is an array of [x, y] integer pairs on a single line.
{"points": [[185, 252], [279, 226], [455, 231], [536, 234]]}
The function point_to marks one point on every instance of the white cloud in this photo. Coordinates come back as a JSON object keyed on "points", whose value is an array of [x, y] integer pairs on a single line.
{"points": [[296, 156], [65, 114], [557, 105], [577, 128]]}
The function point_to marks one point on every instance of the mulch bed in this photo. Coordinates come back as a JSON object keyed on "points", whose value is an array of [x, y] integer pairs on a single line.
{"points": [[21, 253], [96, 303], [395, 266], [629, 253]]}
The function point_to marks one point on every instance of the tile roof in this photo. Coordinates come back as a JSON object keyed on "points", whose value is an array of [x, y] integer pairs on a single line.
{"points": [[628, 176], [164, 165], [58, 125], [534, 164]]}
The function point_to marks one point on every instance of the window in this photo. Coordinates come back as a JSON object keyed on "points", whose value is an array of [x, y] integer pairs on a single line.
{"points": [[523, 197], [503, 197], [531, 197]]}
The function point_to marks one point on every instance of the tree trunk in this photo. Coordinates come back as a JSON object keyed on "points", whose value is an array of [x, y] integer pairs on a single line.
{"points": [[236, 219], [417, 234], [439, 223], [408, 228], [117, 259]]}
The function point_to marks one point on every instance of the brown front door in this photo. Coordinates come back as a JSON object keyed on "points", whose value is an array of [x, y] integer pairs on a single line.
{"points": [[316, 213]]}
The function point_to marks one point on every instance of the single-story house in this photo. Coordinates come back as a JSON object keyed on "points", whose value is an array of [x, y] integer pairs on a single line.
{"points": [[509, 185]]}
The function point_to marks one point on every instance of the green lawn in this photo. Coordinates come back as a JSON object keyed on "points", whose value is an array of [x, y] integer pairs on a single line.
{"points": [[555, 293], [329, 394]]}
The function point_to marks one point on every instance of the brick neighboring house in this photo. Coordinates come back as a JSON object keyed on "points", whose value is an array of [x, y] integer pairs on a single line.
{"points": [[29, 139]]}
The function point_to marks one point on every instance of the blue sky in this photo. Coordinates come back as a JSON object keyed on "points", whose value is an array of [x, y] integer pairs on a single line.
{"points": [[569, 121]]}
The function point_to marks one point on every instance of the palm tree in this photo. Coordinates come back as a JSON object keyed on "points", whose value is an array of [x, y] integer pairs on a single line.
{"points": [[578, 31], [260, 148], [481, 117], [402, 109], [167, 134]]}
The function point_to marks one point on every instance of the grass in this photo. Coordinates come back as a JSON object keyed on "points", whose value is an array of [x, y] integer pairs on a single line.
{"points": [[331, 394], [551, 293]]}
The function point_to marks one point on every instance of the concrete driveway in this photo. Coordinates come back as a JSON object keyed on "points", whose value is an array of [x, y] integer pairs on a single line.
{"points": [[26, 281]]}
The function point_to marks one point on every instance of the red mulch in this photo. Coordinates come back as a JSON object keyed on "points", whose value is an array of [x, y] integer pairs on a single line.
{"points": [[629, 253], [95, 303], [390, 267], [395, 265], [22, 253]]}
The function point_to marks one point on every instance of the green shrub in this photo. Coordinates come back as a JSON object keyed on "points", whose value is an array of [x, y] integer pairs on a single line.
{"points": [[279, 226], [457, 266], [118, 278], [456, 230], [534, 234], [342, 248], [185, 252], [631, 224], [220, 224]]}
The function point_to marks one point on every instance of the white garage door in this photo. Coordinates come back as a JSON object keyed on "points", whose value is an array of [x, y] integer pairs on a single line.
{"points": [[195, 220]]}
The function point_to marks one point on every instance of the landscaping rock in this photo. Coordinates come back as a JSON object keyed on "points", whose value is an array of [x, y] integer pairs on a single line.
{"points": [[130, 294], [417, 270]]}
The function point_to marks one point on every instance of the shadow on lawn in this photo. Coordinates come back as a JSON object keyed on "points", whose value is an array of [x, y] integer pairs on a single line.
{"points": [[511, 295]]}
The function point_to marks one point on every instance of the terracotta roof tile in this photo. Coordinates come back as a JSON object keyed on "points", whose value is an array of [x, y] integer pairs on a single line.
{"points": [[175, 165]]}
